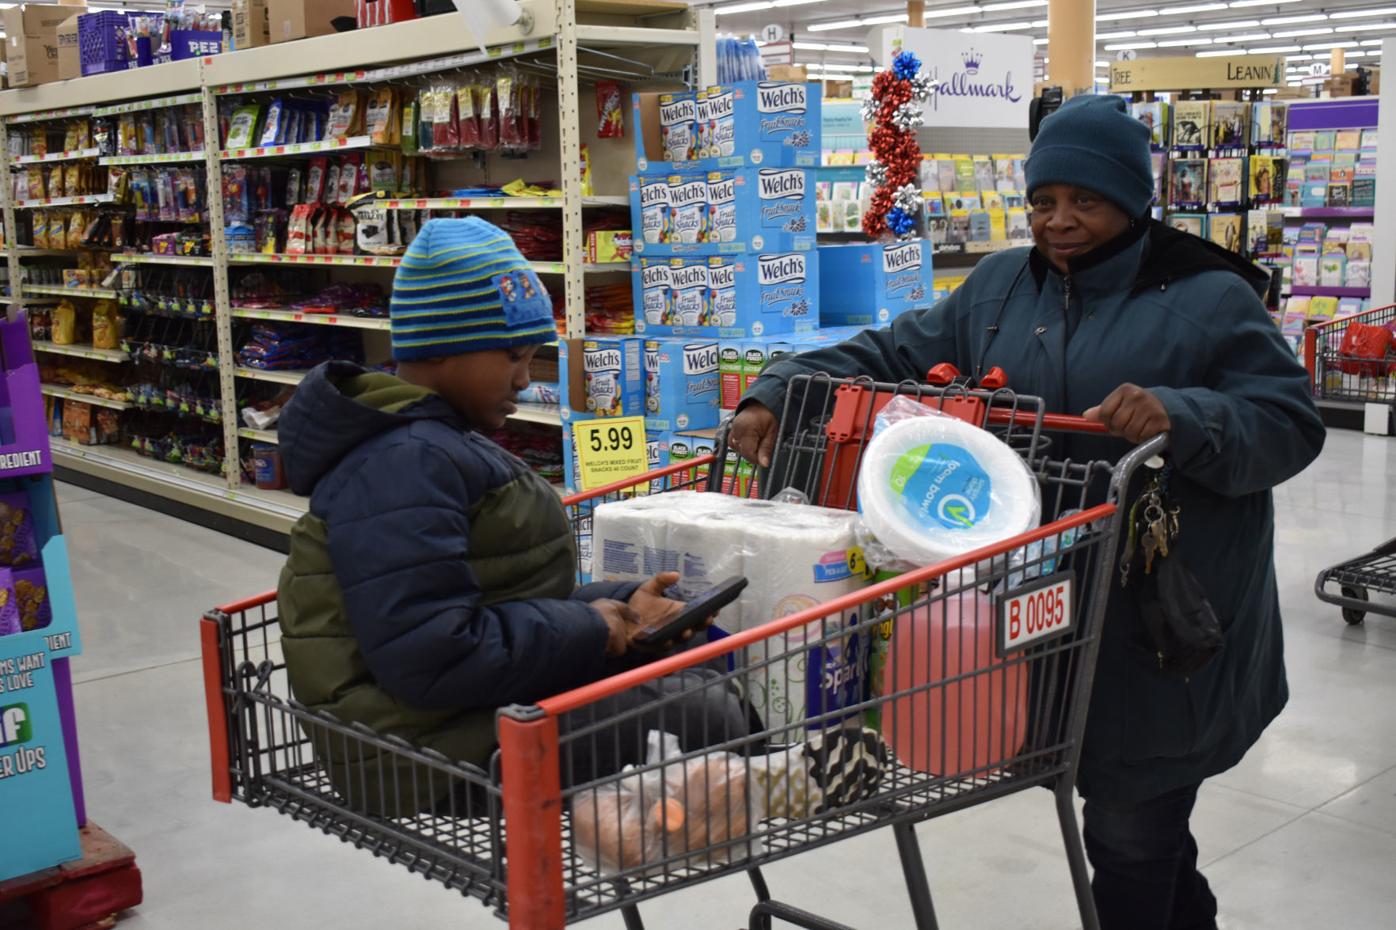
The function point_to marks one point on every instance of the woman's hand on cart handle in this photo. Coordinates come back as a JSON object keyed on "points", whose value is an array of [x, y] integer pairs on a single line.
{"points": [[754, 432], [622, 622], [1132, 413]]}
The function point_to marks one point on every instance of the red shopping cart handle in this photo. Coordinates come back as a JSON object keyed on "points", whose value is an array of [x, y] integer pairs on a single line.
{"points": [[1058, 422]]}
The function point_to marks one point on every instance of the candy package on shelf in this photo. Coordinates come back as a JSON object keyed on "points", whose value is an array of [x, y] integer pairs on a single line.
{"points": [[292, 347], [610, 114], [366, 300]]}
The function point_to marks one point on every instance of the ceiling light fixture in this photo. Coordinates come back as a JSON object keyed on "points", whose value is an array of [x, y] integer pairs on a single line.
{"points": [[1242, 4], [952, 11], [1363, 14], [1372, 42], [1274, 50], [1238, 24], [742, 8], [1039, 41], [1106, 36], [1200, 8], [1290, 20], [999, 27], [1012, 5], [1167, 30], [1216, 53], [1247, 37], [1366, 27], [1295, 33], [780, 3], [1127, 46], [1130, 14], [1327, 45], [1183, 43]]}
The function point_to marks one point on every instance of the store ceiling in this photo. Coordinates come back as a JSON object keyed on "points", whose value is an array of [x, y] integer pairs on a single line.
{"points": [[833, 33]]}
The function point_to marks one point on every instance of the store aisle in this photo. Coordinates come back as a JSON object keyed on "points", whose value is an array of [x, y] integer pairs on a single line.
{"points": [[1302, 834]]}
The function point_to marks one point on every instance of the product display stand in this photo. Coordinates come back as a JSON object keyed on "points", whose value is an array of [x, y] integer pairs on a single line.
{"points": [[565, 46]]}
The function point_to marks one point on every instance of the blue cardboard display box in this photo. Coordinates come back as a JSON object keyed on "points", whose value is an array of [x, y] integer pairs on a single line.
{"points": [[748, 124], [744, 295], [726, 211], [872, 284], [681, 384]]}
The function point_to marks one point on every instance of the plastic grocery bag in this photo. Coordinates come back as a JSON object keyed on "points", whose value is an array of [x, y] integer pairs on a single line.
{"points": [[1361, 341], [652, 816]]}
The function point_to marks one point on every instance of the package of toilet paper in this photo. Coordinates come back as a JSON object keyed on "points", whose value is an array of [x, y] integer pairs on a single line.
{"points": [[795, 557], [932, 487]]}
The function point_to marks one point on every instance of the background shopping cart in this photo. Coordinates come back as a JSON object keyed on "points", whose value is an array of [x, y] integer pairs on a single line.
{"points": [[1345, 377], [973, 709]]}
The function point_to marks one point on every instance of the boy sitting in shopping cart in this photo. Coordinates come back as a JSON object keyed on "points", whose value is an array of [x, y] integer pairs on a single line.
{"points": [[433, 578]]}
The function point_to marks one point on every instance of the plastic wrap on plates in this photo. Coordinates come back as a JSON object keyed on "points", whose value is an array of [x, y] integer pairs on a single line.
{"points": [[795, 557], [932, 487], [648, 817]]}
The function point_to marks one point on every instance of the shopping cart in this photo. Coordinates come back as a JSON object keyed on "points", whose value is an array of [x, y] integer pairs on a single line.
{"points": [[983, 693], [1357, 579], [1337, 376]]}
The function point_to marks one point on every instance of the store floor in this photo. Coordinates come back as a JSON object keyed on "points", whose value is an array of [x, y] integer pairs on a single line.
{"points": [[1302, 834]]}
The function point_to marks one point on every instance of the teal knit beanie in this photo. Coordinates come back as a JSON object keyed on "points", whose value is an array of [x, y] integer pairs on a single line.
{"points": [[1093, 142], [464, 287]]}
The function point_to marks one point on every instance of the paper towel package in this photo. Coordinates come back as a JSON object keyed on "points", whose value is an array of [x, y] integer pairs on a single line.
{"points": [[795, 557], [614, 377], [755, 210], [681, 383], [932, 487], [862, 284], [744, 124]]}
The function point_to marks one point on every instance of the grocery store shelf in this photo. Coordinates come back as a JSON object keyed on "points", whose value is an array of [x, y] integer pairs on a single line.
{"points": [[98, 293], [319, 319], [276, 377], [547, 414], [258, 435], [1329, 213], [594, 36], [494, 203], [81, 200], [198, 261], [366, 261], [1305, 291], [158, 103], [101, 355], [53, 390], [165, 159], [587, 267], [84, 96], [299, 148], [26, 251], [273, 510], [74, 155]]}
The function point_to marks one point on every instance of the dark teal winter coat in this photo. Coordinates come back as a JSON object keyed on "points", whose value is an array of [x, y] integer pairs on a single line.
{"points": [[1182, 317]]}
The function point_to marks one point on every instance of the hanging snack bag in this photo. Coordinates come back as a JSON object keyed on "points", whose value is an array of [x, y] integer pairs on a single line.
{"points": [[31, 589], [331, 191], [40, 229], [236, 205], [348, 179], [127, 141], [321, 225], [409, 121], [106, 325], [343, 115], [243, 126], [382, 171], [315, 178], [77, 227], [298, 230], [295, 187], [272, 125], [72, 177], [487, 98], [145, 125], [344, 232], [382, 107], [468, 113], [37, 190], [513, 135], [55, 182], [535, 115], [445, 133], [65, 324]]}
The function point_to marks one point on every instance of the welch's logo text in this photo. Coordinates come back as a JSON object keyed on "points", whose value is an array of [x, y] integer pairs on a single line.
{"points": [[654, 276], [781, 98], [775, 184], [601, 360], [700, 359], [969, 82], [721, 106], [688, 276], [686, 194], [780, 269], [901, 258], [654, 195], [722, 276], [683, 110], [723, 191]]}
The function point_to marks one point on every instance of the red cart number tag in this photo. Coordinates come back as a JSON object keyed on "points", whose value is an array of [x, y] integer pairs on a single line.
{"points": [[1041, 609]]}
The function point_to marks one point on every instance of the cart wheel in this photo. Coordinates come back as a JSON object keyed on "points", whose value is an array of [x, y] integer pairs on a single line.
{"points": [[1351, 614]]}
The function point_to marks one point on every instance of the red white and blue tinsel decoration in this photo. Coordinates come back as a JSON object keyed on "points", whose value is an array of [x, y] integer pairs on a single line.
{"points": [[894, 109]]}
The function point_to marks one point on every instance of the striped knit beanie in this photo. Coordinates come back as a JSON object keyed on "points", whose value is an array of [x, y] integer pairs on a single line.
{"points": [[464, 287]]}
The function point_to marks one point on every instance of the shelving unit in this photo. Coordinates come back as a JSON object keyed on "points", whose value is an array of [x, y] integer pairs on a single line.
{"points": [[661, 43], [53, 390]]}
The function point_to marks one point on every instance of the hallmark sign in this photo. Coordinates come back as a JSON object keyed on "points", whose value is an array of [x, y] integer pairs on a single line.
{"points": [[977, 79]]}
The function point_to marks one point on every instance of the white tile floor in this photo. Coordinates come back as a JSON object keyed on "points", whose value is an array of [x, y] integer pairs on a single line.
{"points": [[1301, 835]]}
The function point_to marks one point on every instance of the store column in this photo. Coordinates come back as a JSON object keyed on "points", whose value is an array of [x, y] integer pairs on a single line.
{"points": [[1071, 45]]}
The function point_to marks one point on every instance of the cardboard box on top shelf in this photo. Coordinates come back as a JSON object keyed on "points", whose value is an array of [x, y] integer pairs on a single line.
{"points": [[786, 73], [1339, 85], [301, 19], [251, 24], [69, 57], [31, 40], [838, 89]]}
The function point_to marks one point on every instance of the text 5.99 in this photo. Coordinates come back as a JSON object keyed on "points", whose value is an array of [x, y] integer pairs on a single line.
{"points": [[611, 439]]}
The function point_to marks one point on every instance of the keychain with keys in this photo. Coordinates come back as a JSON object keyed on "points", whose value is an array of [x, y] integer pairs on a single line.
{"points": [[1152, 526]]}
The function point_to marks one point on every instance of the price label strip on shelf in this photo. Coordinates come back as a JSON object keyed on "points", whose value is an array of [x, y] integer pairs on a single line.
{"points": [[610, 449]]}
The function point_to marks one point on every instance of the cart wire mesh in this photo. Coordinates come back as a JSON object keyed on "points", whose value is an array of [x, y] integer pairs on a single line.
{"points": [[1340, 376]]}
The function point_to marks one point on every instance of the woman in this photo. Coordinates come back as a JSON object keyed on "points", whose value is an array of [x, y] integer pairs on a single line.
{"points": [[1146, 330]]}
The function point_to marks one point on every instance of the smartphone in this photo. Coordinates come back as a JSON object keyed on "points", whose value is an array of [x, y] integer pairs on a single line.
{"points": [[694, 614]]}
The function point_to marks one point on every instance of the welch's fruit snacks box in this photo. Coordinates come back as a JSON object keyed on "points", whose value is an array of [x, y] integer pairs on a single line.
{"points": [[614, 377], [748, 124], [681, 383], [873, 284], [728, 211], [746, 295]]}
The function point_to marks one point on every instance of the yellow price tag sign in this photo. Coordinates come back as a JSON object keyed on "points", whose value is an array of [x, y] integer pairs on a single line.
{"points": [[610, 449], [858, 564]]}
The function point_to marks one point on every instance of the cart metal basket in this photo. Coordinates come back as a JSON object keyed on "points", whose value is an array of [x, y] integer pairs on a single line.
{"points": [[1357, 579], [987, 667], [1337, 376]]}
